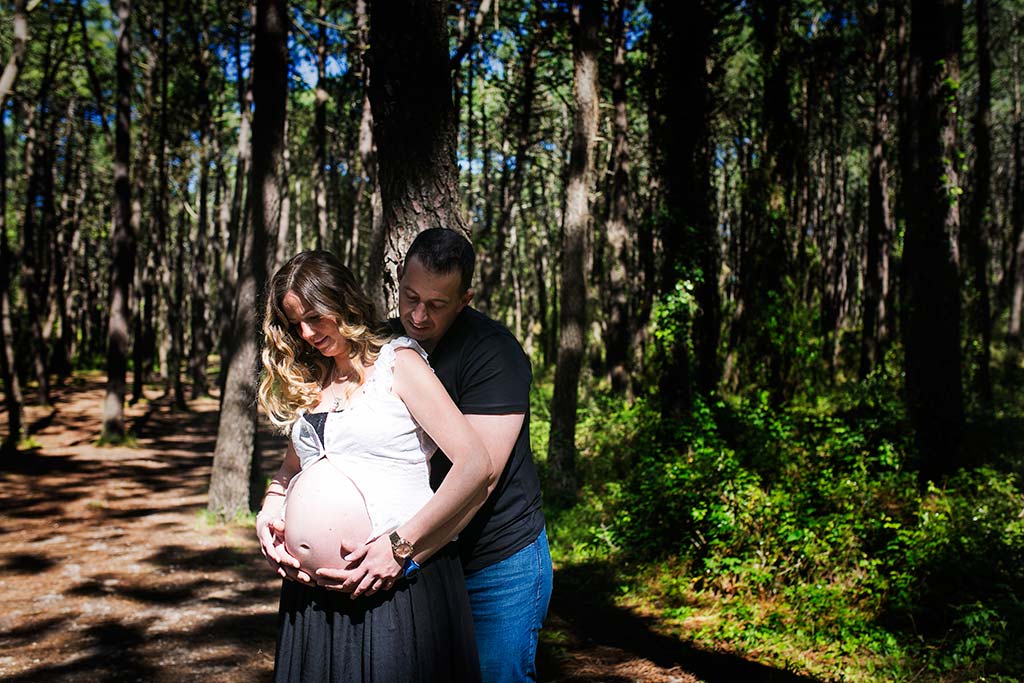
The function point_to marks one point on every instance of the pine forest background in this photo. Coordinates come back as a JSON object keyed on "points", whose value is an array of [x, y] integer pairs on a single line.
{"points": [[767, 259]]}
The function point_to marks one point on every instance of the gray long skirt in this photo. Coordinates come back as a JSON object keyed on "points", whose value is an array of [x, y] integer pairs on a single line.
{"points": [[421, 631]]}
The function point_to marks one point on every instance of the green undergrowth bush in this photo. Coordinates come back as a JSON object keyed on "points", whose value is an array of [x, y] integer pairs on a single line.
{"points": [[801, 535]]}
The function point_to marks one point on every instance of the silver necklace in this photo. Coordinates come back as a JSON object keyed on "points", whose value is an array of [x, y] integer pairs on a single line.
{"points": [[336, 407]]}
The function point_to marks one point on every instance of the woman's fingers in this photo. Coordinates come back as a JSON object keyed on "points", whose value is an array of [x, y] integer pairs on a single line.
{"points": [[340, 579]]}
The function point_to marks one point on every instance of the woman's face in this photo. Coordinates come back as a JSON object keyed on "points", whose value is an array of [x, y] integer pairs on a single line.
{"points": [[319, 331]]}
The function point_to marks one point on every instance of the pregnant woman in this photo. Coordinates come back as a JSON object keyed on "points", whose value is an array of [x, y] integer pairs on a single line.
{"points": [[365, 414]]}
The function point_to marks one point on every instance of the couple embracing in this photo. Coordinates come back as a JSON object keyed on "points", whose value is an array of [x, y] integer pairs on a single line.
{"points": [[406, 517]]}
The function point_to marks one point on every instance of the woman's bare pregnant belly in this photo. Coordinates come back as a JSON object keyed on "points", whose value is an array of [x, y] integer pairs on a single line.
{"points": [[325, 517]]}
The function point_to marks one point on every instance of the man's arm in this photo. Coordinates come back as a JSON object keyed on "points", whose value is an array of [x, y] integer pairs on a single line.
{"points": [[499, 434]]}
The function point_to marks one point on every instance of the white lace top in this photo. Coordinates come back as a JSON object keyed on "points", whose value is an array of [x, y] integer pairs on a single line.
{"points": [[377, 444]]}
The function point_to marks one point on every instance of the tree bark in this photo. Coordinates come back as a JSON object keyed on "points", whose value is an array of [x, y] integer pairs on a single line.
{"points": [[619, 332], [239, 210], [976, 237], [679, 116], [320, 131], [879, 220], [200, 337], [1016, 269], [234, 482], [368, 185], [493, 262], [13, 399], [414, 126], [766, 259], [123, 243], [930, 282], [573, 296]]}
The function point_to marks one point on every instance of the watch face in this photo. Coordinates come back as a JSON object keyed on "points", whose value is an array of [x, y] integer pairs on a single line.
{"points": [[400, 547]]}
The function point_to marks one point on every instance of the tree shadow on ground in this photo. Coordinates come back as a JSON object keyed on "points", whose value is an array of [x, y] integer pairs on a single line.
{"points": [[582, 603]]}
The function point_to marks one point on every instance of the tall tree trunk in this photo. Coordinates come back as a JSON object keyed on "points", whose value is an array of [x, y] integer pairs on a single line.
{"points": [[123, 243], [144, 337], [930, 282], [766, 303], [679, 126], [234, 481], [414, 126], [178, 304], [619, 327], [239, 212], [320, 131], [490, 282], [199, 349], [976, 237], [879, 220], [1016, 270], [374, 257], [13, 400], [572, 307], [285, 213]]}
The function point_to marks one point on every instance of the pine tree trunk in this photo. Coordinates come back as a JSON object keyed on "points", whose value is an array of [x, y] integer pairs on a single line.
{"points": [[374, 256], [930, 283], [234, 482], [13, 399], [237, 225], [976, 232], [414, 127], [200, 338], [490, 282], [879, 220], [679, 116], [572, 321], [320, 131], [144, 338], [620, 323], [1016, 269], [123, 242]]}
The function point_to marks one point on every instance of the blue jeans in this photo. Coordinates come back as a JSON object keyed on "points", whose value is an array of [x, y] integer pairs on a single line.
{"points": [[509, 600]]}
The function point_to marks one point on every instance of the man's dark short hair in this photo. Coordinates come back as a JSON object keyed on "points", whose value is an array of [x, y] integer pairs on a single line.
{"points": [[443, 251]]}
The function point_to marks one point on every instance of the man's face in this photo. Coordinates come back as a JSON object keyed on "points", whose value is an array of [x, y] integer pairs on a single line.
{"points": [[428, 302]]}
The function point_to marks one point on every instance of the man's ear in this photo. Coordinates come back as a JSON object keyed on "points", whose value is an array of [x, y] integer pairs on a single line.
{"points": [[467, 297], [400, 271]]}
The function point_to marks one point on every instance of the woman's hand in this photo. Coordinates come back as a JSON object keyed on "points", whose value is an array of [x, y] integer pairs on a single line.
{"points": [[372, 568], [270, 531]]}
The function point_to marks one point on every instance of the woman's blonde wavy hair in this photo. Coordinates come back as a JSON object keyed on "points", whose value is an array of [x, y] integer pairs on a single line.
{"points": [[294, 371]]}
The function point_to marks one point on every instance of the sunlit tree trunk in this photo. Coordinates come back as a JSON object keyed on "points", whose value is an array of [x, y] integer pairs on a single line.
{"points": [[234, 482], [123, 239], [572, 319]]}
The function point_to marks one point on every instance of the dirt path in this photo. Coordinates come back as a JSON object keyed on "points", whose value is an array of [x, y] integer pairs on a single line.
{"points": [[108, 571]]}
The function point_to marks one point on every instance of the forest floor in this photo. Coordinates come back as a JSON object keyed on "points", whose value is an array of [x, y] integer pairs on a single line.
{"points": [[110, 570]]}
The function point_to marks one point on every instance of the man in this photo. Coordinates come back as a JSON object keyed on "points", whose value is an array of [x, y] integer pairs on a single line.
{"points": [[504, 546]]}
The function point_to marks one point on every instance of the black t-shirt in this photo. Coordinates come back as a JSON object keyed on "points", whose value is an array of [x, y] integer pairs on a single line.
{"points": [[486, 372]]}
